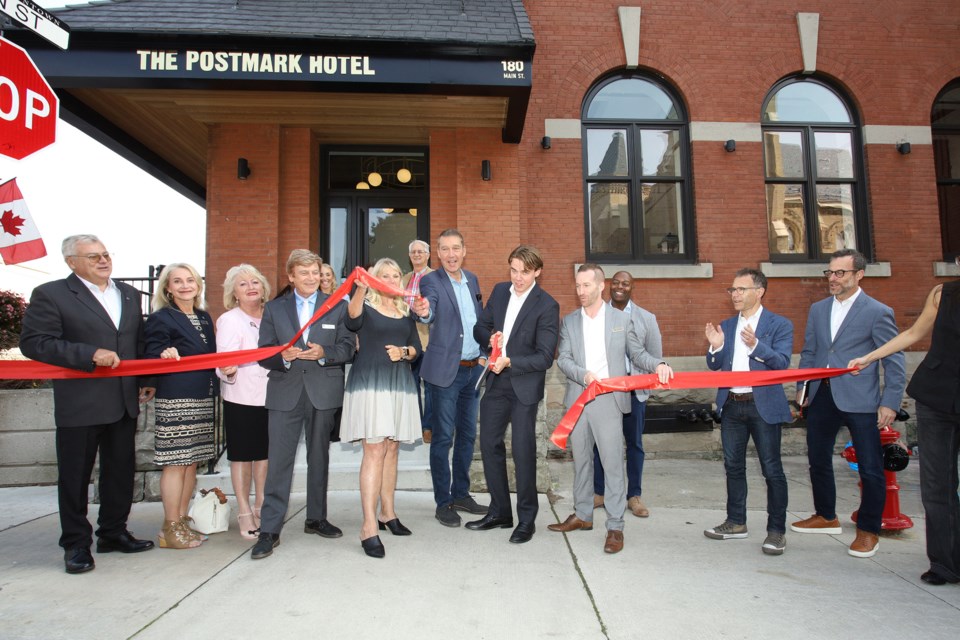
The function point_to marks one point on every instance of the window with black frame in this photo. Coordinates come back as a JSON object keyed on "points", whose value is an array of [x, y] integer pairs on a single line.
{"points": [[813, 169], [945, 123], [636, 160]]}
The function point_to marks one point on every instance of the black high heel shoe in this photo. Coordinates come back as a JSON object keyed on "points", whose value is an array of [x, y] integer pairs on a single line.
{"points": [[373, 547], [395, 526]]}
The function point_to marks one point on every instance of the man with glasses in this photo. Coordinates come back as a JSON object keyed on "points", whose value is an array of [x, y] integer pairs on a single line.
{"points": [[419, 252], [755, 339], [840, 328], [81, 322]]}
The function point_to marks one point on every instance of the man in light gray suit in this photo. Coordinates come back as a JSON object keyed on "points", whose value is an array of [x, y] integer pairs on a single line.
{"points": [[838, 328], [304, 391], [595, 342]]}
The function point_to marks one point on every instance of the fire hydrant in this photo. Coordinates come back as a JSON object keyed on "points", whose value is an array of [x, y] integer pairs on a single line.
{"points": [[892, 519]]}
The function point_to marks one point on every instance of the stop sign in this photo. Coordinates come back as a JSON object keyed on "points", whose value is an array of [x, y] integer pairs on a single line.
{"points": [[28, 106]]}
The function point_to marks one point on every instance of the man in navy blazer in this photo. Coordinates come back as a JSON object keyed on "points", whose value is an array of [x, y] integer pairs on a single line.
{"points": [[82, 322], [524, 321], [452, 364], [304, 391], [755, 339], [839, 328]]}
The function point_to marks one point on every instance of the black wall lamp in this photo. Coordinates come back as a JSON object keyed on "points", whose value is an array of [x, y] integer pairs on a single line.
{"points": [[903, 148], [243, 169], [545, 142], [730, 146], [485, 172]]}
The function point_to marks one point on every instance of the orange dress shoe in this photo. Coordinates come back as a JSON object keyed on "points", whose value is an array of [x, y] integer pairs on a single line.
{"points": [[572, 523], [614, 542], [817, 524], [865, 545]]}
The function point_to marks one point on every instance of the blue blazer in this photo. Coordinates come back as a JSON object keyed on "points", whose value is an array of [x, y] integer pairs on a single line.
{"points": [[169, 327], [533, 339], [441, 360], [774, 346], [868, 325]]}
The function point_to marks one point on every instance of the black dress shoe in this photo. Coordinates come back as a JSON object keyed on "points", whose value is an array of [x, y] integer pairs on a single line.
{"points": [[373, 547], [488, 522], [124, 543], [265, 544], [523, 532], [935, 578], [396, 527], [322, 528], [78, 560]]}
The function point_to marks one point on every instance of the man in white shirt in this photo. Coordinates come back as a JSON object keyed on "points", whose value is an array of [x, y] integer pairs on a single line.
{"points": [[755, 339]]}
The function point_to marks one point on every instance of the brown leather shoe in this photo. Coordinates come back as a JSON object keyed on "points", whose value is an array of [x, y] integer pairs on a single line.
{"points": [[637, 508], [572, 523], [614, 543], [865, 545], [597, 501], [817, 524], [427, 436]]}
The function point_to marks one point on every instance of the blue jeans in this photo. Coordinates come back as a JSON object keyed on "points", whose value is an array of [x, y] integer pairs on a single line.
{"points": [[740, 422], [824, 420], [633, 436], [426, 413], [454, 425]]}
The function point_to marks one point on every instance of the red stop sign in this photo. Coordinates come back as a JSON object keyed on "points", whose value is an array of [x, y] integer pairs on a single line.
{"points": [[28, 106]]}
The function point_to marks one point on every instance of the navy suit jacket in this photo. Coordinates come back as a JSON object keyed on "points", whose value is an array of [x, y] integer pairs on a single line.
{"points": [[533, 338], [323, 383], [868, 325], [441, 360], [774, 346], [169, 327], [64, 325]]}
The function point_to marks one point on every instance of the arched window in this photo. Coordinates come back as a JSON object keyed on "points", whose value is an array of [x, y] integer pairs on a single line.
{"points": [[636, 168], [813, 167], [945, 122]]}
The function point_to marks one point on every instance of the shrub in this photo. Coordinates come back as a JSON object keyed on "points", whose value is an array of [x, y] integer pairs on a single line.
{"points": [[12, 308]]}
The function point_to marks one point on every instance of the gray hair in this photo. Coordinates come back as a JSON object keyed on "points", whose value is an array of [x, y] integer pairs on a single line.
{"points": [[233, 274], [69, 246], [426, 246]]}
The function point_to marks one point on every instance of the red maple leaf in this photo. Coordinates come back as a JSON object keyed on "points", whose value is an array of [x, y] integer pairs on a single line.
{"points": [[11, 223]]}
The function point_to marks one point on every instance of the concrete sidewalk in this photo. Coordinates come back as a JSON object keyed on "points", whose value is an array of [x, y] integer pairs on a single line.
{"points": [[669, 581]]}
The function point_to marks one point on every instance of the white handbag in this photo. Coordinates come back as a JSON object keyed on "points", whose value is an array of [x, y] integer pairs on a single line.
{"points": [[210, 511]]}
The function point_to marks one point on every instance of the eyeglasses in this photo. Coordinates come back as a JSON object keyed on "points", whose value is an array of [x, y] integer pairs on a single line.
{"points": [[838, 272], [418, 252], [95, 257], [740, 290]]}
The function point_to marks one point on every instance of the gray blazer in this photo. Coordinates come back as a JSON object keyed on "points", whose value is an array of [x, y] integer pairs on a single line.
{"points": [[322, 382], [622, 340], [868, 325], [648, 332]]}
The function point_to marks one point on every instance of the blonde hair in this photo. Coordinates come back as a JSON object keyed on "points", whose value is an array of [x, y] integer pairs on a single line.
{"points": [[336, 280], [161, 297], [373, 296], [233, 274], [302, 258]]}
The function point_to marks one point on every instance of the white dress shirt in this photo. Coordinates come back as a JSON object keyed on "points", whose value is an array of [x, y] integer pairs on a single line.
{"points": [[839, 311], [595, 343], [109, 298], [513, 310]]}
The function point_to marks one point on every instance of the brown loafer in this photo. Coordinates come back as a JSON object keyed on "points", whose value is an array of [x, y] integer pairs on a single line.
{"points": [[572, 523], [637, 508], [614, 542]]}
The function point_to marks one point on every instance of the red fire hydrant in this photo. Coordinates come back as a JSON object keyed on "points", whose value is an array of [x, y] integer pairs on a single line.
{"points": [[892, 520]]}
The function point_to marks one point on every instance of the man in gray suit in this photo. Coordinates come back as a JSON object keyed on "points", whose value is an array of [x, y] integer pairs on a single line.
{"points": [[838, 329], [595, 342], [304, 391]]}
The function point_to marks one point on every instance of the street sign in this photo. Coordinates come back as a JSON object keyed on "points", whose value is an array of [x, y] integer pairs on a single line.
{"points": [[29, 108], [38, 20]]}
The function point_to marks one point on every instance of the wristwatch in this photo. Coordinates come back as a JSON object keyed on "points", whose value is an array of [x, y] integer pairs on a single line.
{"points": [[404, 352]]}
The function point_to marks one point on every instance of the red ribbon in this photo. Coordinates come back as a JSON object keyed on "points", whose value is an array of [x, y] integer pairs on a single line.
{"points": [[32, 370], [687, 380]]}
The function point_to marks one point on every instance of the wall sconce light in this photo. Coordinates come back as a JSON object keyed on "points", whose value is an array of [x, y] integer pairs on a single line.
{"points": [[545, 142], [243, 169], [730, 146], [485, 172], [903, 148]]}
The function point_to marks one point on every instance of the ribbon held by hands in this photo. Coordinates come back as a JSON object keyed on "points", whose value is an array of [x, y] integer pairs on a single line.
{"points": [[686, 380], [32, 370]]}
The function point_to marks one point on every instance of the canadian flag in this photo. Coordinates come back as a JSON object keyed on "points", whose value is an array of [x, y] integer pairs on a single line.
{"points": [[20, 239]]}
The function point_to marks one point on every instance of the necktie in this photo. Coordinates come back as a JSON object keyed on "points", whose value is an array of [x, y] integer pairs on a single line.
{"points": [[306, 312]]}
